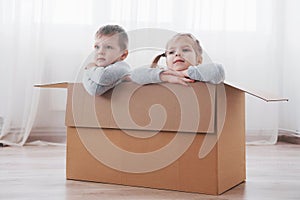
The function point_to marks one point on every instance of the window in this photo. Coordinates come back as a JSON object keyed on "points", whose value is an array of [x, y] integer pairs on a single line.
{"points": [[222, 15], [69, 11]]}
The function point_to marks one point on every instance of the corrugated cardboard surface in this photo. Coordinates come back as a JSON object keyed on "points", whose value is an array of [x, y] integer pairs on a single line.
{"points": [[231, 143], [188, 173], [222, 168], [170, 100]]}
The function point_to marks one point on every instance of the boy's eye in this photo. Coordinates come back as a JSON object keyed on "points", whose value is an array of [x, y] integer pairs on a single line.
{"points": [[105, 47], [108, 47]]}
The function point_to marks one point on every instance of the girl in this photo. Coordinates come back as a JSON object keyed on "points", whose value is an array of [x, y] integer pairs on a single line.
{"points": [[184, 64]]}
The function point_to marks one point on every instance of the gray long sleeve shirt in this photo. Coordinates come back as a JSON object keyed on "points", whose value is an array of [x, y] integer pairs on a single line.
{"points": [[210, 72], [97, 80]]}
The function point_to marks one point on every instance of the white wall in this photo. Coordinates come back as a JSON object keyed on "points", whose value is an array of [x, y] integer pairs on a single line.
{"points": [[290, 111]]}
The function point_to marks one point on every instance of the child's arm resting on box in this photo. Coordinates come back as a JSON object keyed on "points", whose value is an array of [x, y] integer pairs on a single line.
{"points": [[210, 72], [146, 75], [97, 80]]}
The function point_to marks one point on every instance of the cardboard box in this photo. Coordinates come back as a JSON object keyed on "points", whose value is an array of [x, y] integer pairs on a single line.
{"points": [[164, 136]]}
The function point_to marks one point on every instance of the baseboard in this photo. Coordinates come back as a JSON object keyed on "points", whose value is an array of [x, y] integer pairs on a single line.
{"points": [[58, 135], [261, 137], [48, 134], [289, 136]]}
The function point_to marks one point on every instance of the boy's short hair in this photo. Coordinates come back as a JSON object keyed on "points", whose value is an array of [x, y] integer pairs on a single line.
{"points": [[112, 30]]}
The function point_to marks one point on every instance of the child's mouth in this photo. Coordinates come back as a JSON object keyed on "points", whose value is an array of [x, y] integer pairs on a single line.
{"points": [[178, 61], [100, 59]]}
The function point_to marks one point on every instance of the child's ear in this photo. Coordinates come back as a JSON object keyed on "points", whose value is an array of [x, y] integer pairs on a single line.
{"points": [[124, 55], [199, 60]]}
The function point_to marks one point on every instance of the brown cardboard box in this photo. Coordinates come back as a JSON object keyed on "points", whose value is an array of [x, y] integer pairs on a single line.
{"points": [[164, 136]]}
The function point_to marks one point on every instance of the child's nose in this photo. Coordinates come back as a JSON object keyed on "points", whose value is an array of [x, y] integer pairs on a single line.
{"points": [[100, 50], [177, 53]]}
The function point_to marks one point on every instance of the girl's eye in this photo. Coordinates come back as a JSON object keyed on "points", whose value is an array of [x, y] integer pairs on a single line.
{"points": [[109, 47], [96, 47], [186, 50], [170, 52]]}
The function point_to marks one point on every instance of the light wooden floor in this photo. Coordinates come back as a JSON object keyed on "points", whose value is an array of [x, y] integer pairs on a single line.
{"points": [[32, 172]]}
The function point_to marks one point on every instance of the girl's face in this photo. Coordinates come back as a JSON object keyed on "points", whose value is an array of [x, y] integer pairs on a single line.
{"points": [[181, 54]]}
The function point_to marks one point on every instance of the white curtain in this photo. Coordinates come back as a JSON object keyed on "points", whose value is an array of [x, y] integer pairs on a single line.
{"points": [[47, 40], [21, 60]]}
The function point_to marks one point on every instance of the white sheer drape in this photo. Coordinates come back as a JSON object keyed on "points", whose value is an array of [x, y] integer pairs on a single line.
{"points": [[47, 40], [21, 60]]}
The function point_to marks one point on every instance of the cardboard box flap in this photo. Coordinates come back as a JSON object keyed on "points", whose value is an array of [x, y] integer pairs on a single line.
{"points": [[268, 97], [166, 106], [53, 85]]}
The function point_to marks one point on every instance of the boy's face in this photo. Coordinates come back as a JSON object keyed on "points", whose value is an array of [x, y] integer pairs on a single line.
{"points": [[107, 50], [181, 54]]}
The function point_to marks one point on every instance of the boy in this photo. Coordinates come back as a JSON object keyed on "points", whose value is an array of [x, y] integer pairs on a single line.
{"points": [[107, 68]]}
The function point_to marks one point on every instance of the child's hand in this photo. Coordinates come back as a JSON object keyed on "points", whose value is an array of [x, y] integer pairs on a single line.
{"points": [[173, 73], [90, 65], [171, 76], [185, 73], [127, 78]]}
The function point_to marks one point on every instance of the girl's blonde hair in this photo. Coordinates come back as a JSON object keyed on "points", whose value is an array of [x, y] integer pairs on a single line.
{"points": [[197, 47]]}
